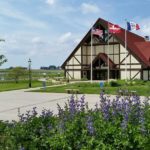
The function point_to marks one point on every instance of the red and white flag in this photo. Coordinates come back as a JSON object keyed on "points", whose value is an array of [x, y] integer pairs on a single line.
{"points": [[114, 28], [97, 32]]}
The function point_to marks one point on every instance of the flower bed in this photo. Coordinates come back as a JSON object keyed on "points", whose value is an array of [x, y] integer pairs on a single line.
{"points": [[119, 124]]}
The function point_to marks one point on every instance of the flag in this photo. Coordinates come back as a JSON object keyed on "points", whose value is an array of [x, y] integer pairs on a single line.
{"points": [[114, 28], [132, 26], [97, 32]]}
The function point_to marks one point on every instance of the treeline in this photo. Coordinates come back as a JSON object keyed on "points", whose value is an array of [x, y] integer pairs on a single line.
{"points": [[51, 67]]}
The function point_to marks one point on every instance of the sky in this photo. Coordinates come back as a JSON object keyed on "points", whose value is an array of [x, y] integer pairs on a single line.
{"points": [[47, 31]]}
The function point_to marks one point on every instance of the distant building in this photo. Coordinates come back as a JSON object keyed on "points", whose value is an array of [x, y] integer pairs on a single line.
{"points": [[133, 63]]}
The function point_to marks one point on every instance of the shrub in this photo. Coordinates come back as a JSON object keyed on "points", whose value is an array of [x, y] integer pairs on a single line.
{"points": [[114, 84], [113, 124]]}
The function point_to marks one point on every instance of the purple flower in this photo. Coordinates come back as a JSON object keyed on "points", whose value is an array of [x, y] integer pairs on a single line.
{"points": [[49, 127], [82, 102], [60, 110], [46, 113], [96, 107], [90, 126], [72, 106], [105, 107], [124, 124], [34, 112], [28, 115], [22, 148], [22, 118]]}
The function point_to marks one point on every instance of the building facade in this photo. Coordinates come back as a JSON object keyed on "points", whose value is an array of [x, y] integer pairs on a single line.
{"points": [[132, 62]]}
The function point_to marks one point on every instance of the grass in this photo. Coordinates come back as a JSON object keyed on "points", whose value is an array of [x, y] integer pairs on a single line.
{"points": [[8, 83], [7, 86], [142, 88]]}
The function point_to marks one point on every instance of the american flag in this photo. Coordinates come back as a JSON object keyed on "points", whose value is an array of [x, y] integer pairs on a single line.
{"points": [[97, 32]]}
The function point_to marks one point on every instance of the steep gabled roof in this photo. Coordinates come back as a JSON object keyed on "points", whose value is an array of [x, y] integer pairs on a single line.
{"points": [[136, 44]]}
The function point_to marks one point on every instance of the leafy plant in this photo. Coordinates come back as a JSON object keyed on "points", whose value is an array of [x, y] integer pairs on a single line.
{"points": [[113, 124], [114, 84]]}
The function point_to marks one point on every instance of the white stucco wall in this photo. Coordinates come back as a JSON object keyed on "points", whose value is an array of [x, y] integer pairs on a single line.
{"points": [[145, 75], [77, 74]]}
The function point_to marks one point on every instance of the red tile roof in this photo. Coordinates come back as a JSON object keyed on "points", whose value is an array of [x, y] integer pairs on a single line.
{"points": [[136, 44]]}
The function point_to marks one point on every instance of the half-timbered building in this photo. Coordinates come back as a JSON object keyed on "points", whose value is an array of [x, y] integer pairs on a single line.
{"points": [[132, 62]]}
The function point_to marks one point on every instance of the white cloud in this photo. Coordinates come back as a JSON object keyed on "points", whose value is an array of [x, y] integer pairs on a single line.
{"points": [[65, 37], [37, 40], [50, 2], [145, 26], [89, 8], [8, 11]]}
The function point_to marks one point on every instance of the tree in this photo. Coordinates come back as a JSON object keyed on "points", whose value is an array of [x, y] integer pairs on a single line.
{"points": [[16, 73], [2, 59]]}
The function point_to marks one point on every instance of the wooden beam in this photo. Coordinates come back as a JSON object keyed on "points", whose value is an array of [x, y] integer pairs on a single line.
{"points": [[77, 60], [97, 44], [134, 69], [124, 59], [68, 73], [135, 75]]}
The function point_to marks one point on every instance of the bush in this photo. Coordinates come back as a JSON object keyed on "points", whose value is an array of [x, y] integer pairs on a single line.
{"points": [[117, 124], [114, 84]]}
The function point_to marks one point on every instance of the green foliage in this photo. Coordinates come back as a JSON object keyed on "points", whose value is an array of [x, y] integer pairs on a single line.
{"points": [[76, 127], [11, 85], [2, 59], [17, 73], [141, 87], [114, 84]]}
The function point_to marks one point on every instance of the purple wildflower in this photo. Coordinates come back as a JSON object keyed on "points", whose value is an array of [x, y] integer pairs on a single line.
{"points": [[82, 106], [105, 107], [22, 148], [34, 112], [50, 127], [72, 106], [22, 118], [28, 115], [96, 107], [46, 113], [90, 126]]}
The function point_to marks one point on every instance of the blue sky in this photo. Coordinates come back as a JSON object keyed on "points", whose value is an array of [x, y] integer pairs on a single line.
{"points": [[48, 30]]}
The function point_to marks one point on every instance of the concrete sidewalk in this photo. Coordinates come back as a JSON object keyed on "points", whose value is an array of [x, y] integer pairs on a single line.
{"points": [[10, 101]]}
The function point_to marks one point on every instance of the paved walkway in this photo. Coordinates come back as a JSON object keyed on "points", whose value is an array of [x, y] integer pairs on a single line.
{"points": [[10, 101]]}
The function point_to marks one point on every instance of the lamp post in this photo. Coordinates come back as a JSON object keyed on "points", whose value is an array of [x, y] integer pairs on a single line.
{"points": [[29, 63]]}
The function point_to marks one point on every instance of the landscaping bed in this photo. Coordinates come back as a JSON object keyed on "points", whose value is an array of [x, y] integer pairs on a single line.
{"points": [[121, 124]]}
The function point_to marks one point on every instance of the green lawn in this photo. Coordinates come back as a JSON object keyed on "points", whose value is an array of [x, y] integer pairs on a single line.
{"points": [[7, 86], [142, 89]]}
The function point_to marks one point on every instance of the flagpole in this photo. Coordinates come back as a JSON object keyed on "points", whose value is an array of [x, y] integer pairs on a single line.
{"points": [[91, 55], [108, 54], [126, 52]]}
